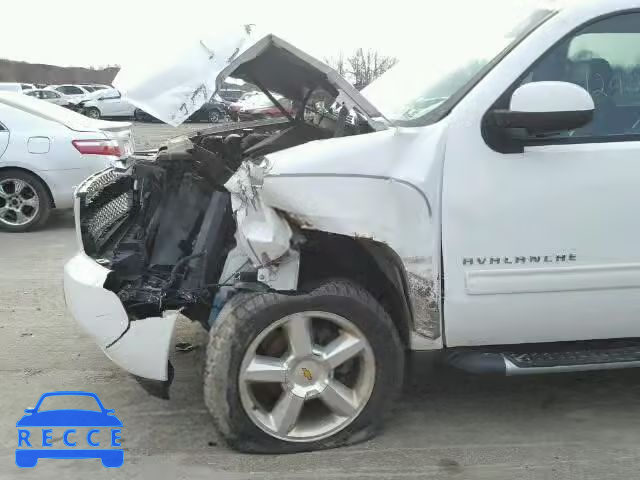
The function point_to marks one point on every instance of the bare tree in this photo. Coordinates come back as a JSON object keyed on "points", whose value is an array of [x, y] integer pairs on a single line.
{"points": [[367, 65], [337, 63], [362, 67]]}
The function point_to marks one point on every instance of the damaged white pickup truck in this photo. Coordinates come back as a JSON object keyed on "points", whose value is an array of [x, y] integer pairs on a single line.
{"points": [[482, 206]]}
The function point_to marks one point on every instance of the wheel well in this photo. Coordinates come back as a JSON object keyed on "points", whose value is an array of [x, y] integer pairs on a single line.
{"points": [[372, 265], [46, 187]]}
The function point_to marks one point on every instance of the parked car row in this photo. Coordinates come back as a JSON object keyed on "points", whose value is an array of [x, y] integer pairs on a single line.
{"points": [[249, 106], [258, 106], [50, 96], [45, 152], [16, 87], [214, 111], [102, 101]]}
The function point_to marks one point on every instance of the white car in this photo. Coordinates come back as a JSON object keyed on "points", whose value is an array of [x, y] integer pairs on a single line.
{"points": [[485, 209], [50, 96], [10, 87], [45, 152], [107, 103], [75, 93], [93, 87]]}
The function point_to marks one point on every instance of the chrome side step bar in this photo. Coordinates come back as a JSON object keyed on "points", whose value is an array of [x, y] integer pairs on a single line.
{"points": [[513, 370], [548, 358]]}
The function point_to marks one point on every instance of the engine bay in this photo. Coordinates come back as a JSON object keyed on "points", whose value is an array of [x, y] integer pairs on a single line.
{"points": [[164, 227]]}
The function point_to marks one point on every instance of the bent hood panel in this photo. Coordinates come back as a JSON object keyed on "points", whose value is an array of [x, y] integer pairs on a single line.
{"points": [[175, 91], [278, 66]]}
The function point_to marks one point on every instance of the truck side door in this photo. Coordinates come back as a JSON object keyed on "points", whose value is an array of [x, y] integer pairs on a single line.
{"points": [[544, 245]]}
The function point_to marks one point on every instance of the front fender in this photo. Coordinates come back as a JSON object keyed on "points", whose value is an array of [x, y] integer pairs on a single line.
{"points": [[382, 186], [380, 209]]}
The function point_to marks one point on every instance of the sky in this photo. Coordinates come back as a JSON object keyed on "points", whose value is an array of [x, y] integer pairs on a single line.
{"points": [[81, 33]]}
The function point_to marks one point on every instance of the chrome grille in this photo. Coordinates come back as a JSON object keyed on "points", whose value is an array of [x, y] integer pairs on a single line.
{"points": [[94, 187], [105, 201]]}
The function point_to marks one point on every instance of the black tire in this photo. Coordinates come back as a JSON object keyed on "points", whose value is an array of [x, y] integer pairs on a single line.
{"points": [[92, 112], [43, 196], [248, 314]]}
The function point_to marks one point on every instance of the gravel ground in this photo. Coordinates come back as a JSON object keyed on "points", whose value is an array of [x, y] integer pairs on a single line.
{"points": [[446, 425]]}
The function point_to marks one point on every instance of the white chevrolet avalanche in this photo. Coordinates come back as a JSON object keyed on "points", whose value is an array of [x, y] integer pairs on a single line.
{"points": [[483, 206]]}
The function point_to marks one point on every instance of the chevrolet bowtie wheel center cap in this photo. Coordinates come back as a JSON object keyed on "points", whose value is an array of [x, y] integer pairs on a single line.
{"points": [[308, 378]]}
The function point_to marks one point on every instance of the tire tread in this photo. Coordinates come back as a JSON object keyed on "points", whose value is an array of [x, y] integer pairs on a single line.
{"points": [[233, 328]]}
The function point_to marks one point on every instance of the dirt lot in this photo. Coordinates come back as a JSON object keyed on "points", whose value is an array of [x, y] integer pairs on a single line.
{"points": [[446, 425]]}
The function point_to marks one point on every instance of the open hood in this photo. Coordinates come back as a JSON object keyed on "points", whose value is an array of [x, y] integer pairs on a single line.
{"points": [[275, 65], [172, 93]]}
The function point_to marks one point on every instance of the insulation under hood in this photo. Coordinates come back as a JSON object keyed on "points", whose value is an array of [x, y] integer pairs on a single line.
{"points": [[173, 92]]}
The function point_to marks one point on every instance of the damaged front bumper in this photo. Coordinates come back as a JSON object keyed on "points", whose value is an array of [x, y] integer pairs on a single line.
{"points": [[140, 346], [156, 239]]}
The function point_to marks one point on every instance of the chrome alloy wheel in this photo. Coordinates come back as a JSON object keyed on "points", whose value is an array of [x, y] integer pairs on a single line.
{"points": [[307, 376], [214, 116], [19, 202]]}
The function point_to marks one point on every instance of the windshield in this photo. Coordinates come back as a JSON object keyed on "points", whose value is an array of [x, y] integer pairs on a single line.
{"points": [[413, 92]]}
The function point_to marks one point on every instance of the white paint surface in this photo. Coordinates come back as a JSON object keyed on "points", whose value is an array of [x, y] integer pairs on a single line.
{"points": [[551, 97], [98, 311], [144, 349]]}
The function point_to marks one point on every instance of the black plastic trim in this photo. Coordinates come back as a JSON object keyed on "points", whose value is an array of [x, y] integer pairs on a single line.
{"points": [[473, 361], [542, 122]]}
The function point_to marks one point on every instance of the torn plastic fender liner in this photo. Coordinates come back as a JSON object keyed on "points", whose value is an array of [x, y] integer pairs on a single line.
{"points": [[177, 87], [262, 234]]}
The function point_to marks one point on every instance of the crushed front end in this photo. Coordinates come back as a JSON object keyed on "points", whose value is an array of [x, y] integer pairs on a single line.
{"points": [[155, 239], [164, 236]]}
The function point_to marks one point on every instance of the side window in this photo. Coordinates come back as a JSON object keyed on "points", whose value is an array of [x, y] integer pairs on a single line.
{"points": [[111, 95], [604, 59], [70, 90]]}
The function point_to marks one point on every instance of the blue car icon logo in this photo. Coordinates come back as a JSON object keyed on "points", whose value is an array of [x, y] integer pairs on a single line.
{"points": [[36, 427]]}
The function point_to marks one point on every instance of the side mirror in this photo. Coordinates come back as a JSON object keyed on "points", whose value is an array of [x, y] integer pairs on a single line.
{"points": [[101, 99], [546, 107], [29, 410]]}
